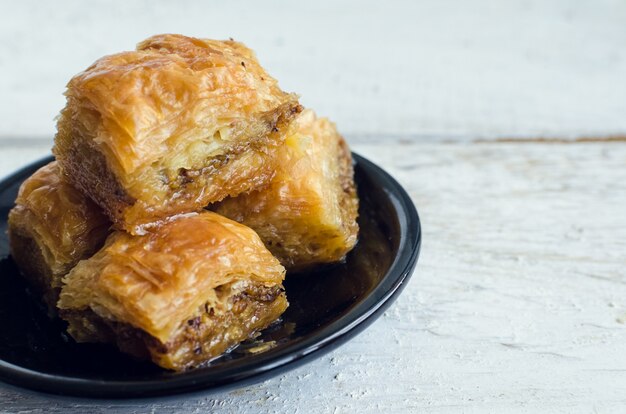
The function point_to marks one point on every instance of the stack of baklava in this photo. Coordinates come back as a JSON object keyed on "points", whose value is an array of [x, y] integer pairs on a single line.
{"points": [[186, 184]]}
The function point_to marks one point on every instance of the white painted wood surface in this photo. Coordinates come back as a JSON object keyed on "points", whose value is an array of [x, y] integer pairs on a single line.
{"points": [[441, 67], [518, 302]]}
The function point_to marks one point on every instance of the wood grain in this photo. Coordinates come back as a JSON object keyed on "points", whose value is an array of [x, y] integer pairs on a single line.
{"points": [[488, 68], [517, 303]]}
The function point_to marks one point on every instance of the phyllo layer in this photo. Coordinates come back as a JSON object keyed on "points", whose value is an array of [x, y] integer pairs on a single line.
{"points": [[180, 295], [166, 129], [51, 228], [307, 214]]}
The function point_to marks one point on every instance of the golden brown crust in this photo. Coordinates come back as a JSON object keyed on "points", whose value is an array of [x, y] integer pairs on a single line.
{"points": [[307, 214], [51, 228], [137, 123], [157, 282]]}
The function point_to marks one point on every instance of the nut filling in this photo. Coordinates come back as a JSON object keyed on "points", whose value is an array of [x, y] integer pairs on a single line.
{"points": [[239, 311]]}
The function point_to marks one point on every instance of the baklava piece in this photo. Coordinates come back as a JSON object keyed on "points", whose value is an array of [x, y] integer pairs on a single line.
{"points": [[171, 127], [51, 228], [181, 295], [307, 215]]}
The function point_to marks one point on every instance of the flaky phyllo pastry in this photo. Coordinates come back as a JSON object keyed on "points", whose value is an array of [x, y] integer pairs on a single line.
{"points": [[51, 228], [115, 234], [180, 295], [171, 127], [307, 214]]}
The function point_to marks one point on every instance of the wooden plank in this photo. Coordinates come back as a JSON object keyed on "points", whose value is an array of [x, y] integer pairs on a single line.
{"points": [[517, 304], [523, 68]]}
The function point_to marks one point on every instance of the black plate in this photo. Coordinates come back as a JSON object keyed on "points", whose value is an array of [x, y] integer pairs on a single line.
{"points": [[327, 308]]}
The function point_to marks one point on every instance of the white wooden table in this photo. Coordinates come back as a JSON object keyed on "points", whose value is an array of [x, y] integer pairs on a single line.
{"points": [[518, 303]]}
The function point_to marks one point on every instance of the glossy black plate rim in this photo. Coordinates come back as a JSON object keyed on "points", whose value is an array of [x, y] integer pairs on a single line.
{"points": [[257, 367]]}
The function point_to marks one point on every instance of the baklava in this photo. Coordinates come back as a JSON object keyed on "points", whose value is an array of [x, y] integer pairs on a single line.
{"points": [[51, 228], [171, 127], [180, 295], [307, 214]]}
